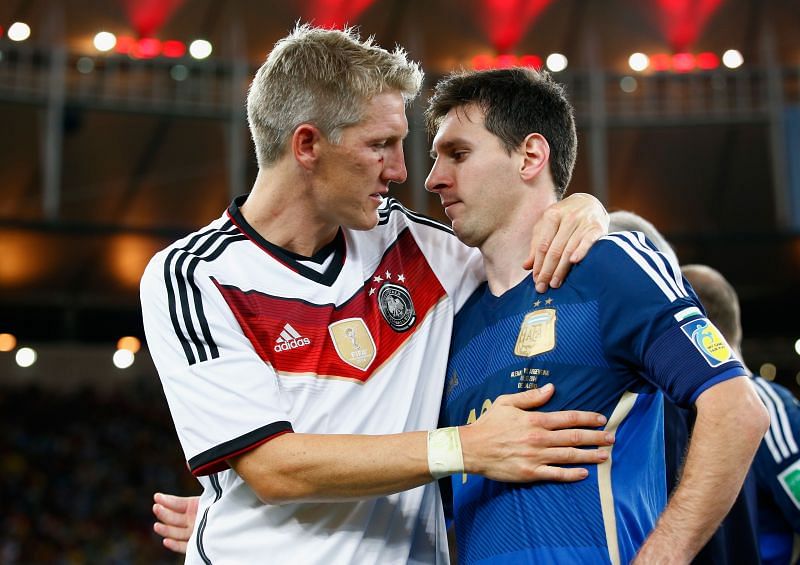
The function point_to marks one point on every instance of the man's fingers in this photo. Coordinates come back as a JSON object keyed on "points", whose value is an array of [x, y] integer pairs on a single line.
{"points": [[570, 419], [172, 502], [169, 516], [176, 546], [528, 399], [587, 239], [573, 456], [543, 234], [572, 438], [171, 532], [560, 474]]}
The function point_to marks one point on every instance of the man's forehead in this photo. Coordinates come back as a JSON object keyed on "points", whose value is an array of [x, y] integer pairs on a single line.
{"points": [[454, 122]]}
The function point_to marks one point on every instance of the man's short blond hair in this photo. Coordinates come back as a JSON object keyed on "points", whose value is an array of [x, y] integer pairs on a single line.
{"points": [[322, 77]]}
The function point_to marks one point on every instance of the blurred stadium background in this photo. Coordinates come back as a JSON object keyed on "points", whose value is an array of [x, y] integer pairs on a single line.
{"points": [[115, 144]]}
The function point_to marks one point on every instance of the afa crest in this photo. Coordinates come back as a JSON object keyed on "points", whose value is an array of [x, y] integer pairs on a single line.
{"points": [[708, 340], [353, 342], [537, 333]]}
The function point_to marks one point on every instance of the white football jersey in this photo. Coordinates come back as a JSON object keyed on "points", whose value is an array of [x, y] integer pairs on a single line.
{"points": [[252, 341]]}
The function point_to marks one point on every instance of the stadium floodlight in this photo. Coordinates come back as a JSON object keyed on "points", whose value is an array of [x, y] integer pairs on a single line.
{"points": [[123, 358], [768, 371], [130, 343], [732, 59], [25, 356], [7, 342], [105, 41], [556, 62], [638, 62], [200, 48], [628, 84], [19, 31], [797, 346]]}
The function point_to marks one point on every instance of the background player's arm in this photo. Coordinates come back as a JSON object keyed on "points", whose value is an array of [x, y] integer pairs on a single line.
{"points": [[508, 443], [731, 420]]}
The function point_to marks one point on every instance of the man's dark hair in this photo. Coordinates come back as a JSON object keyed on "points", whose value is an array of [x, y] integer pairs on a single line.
{"points": [[516, 102]]}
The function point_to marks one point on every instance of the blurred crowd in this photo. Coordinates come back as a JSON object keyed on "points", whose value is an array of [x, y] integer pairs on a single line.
{"points": [[77, 473]]}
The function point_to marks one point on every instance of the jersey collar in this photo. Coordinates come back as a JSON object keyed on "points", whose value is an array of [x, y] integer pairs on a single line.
{"points": [[337, 247]]}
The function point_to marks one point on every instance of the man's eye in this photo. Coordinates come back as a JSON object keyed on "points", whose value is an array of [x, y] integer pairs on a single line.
{"points": [[459, 155], [379, 145]]}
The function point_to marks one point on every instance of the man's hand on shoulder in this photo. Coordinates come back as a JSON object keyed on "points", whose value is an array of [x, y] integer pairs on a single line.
{"points": [[563, 236]]}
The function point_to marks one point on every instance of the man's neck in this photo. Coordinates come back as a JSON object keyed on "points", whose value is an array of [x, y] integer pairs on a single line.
{"points": [[278, 209], [505, 251]]}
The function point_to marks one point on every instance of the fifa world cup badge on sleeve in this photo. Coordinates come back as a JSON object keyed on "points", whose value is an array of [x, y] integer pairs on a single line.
{"points": [[537, 333], [353, 342], [708, 340]]}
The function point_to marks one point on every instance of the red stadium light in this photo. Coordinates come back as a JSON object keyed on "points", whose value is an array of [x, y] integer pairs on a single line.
{"points": [[485, 61], [148, 47], [482, 62], [683, 62], [335, 14], [505, 61], [532, 61], [506, 21], [707, 61], [660, 62], [125, 45], [173, 48]]}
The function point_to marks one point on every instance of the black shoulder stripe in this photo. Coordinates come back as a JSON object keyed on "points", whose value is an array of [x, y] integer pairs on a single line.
{"points": [[394, 205], [173, 311], [201, 528], [195, 347]]}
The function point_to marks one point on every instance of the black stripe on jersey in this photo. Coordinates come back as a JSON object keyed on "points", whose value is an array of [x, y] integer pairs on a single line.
{"points": [[215, 456], [393, 204], [201, 529], [291, 260], [206, 348]]}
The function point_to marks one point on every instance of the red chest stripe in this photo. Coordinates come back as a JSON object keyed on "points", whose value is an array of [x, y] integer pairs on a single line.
{"points": [[306, 346]]}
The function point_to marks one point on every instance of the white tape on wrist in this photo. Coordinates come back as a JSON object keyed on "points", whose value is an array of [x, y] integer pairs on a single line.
{"points": [[444, 452]]}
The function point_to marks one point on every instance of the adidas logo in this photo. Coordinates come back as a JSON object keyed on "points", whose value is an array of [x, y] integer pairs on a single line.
{"points": [[290, 339]]}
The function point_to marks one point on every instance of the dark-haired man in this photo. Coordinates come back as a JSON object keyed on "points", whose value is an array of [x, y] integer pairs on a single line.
{"points": [[620, 332]]}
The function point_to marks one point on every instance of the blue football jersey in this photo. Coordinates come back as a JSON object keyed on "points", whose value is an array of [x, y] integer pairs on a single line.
{"points": [[623, 327], [777, 470]]}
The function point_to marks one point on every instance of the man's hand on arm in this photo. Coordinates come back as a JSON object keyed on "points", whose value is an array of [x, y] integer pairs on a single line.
{"points": [[563, 236], [731, 420], [507, 443], [176, 517]]}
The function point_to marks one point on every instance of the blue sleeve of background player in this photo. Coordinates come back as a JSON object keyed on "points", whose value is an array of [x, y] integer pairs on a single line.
{"points": [[777, 463], [651, 320]]}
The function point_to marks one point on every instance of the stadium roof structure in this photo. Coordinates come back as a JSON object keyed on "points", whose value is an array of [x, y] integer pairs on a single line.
{"points": [[108, 156]]}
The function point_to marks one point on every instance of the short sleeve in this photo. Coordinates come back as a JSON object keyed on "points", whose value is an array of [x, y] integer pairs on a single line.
{"points": [[223, 398], [651, 321]]}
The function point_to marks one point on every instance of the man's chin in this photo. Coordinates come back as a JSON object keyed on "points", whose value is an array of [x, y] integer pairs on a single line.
{"points": [[366, 223]]}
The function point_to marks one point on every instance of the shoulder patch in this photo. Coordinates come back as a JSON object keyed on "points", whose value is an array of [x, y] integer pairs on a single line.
{"points": [[708, 340], [790, 481]]}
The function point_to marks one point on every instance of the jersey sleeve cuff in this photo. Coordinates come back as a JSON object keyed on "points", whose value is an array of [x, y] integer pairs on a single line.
{"points": [[731, 373], [215, 459]]}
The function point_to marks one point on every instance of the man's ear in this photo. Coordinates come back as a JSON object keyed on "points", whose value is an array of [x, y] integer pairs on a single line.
{"points": [[535, 156], [305, 144]]}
